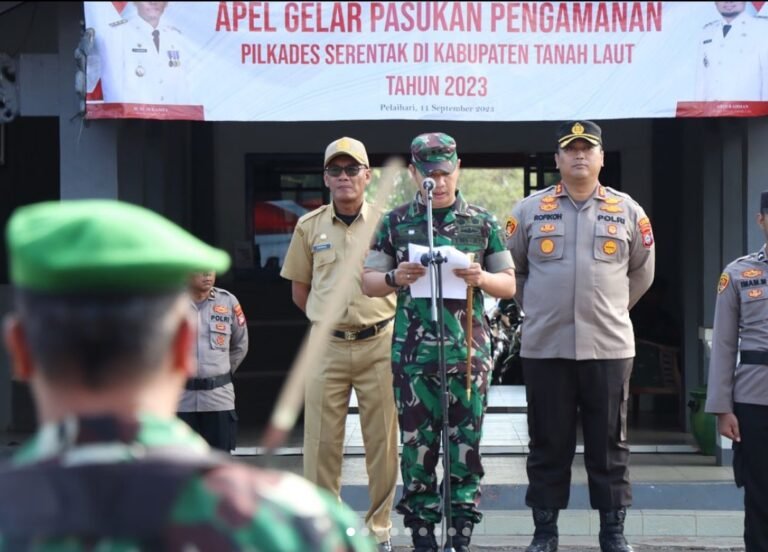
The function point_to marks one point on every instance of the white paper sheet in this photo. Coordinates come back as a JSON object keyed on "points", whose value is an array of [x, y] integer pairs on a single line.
{"points": [[453, 286]]}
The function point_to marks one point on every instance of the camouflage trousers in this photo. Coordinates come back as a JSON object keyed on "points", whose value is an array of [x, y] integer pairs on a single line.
{"points": [[421, 420]]}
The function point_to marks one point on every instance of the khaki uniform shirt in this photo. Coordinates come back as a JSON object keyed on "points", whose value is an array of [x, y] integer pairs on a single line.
{"points": [[222, 343], [579, 270], [318, 249], [735, 66], [138, 72], [741, 324]]}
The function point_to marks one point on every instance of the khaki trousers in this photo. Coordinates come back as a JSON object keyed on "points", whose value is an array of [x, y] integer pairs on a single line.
{"points": [[364, 366]]}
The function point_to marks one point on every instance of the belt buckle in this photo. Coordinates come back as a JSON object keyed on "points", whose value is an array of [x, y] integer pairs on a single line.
{"points": [[350, 335]]}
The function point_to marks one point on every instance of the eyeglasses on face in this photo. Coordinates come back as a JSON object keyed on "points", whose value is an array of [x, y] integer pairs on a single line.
{"points": [[349, 170]]}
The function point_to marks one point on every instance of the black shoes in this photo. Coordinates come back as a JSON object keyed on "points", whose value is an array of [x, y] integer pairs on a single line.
{"points": [[545, 537], [461, 538], [612, 531], [423, 536]]}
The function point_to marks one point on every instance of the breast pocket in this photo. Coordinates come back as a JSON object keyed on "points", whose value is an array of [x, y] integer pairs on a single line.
{"points": [[323, 254], [610, 242], [547, 242], [754, 307], [220, 336]]}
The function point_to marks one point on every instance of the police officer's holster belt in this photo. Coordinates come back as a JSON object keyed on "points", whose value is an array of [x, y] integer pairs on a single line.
{"points": [[365, 333], [753, 357], [206, 384]]}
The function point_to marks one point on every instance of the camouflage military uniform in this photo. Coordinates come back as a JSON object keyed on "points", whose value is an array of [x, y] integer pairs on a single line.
{"points": [[415, 358], [227, 507]]}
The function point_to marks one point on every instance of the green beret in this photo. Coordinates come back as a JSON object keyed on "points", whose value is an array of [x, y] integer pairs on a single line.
{"points": [[102, 245]]}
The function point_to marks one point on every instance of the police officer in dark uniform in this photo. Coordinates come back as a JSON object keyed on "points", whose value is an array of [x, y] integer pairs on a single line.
{"points": [[584, 255], [737, 390]]}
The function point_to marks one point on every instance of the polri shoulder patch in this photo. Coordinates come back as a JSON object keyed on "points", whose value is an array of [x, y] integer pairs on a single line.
{"points": [[723, 283]]}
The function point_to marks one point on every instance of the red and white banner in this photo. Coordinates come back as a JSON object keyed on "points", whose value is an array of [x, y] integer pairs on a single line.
{"points": [[464, 61]]}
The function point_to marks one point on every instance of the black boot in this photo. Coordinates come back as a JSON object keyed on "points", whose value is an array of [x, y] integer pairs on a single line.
{"points": [[461, 538], [423, 536], [612, 531], [545, 537]]}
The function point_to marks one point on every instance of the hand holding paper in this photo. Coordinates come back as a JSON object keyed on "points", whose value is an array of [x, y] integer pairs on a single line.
{"points": [[453, 286]]}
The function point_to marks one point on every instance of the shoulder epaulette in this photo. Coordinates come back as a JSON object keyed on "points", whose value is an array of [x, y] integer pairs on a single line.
{"points": [[313, 214], [218, 290], [547, 190], [750, 256]]}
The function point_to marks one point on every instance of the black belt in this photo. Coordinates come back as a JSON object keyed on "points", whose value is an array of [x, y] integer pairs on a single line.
{"points": [[351, 335], [753, 357], [206, 384]]}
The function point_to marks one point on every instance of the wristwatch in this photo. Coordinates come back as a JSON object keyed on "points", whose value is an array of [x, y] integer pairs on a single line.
{"points": [[389, 278]]}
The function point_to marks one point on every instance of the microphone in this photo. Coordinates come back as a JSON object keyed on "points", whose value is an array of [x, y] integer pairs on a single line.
{"points": [[428, 184]]}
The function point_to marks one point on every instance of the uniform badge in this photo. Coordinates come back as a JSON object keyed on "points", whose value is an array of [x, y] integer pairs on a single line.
{"points": [[610, 247], [558, 189], [723, 283], [601, 191], [612, 229], [510, 226], [239, 314], [547, 246], [752, 273], [548, 199], [548, 206], [174, 59], [220, 340], [321, 246], [644, 224], [221, 309], [547, 228], [140, 71], [755, 293], [611, 209], [221, 327], [577, 129], [613, 200]]}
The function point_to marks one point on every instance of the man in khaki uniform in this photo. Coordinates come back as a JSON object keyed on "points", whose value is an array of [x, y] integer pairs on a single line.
{"points": [[358, 356], [737, 390], [208, 402], [584, 255]]}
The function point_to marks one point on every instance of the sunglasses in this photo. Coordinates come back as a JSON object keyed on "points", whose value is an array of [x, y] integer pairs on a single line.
{"points": [[349, 170]]}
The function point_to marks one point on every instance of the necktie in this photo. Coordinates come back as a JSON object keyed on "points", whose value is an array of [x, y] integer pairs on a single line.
{"points": [[156, 39], [726, 28]]}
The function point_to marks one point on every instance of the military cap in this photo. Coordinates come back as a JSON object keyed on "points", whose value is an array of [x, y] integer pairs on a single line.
{"points": [[346, 146], [584, 130], [102, 246], [764, 201], [434, 151]]}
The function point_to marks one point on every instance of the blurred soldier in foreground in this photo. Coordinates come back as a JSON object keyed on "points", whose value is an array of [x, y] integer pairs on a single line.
{"points": [[102, 332]]}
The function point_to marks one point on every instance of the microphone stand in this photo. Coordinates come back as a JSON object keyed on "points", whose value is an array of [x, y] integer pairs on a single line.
{"points": [[433, 261]]}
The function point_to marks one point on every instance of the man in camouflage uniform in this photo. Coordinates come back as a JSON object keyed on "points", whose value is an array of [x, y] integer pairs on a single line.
{"points": [[737, 390], [415, 340], [584, 255], [208, 402], [102, 332]]}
